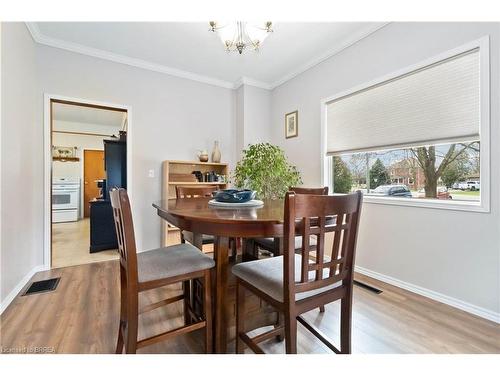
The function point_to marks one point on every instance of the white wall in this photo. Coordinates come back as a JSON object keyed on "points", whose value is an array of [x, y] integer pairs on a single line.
{"points": [[257, 104], [82, 142], [449, 252], [239, 121], [253, 116], [21, 161], [171, 118], [85, 127]]}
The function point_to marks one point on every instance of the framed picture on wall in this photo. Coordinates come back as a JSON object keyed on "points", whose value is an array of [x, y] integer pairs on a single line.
{"points": [[292, 124]]}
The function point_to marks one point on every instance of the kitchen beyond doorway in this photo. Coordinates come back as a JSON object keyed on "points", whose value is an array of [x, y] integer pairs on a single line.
{"points": [[78, 134], [93, 170]]}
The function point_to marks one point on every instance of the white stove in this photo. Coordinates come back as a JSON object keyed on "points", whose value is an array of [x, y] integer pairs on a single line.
{"points": [[65, 199]]}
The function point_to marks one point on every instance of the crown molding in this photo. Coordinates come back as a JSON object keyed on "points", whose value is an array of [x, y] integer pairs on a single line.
{"points": [[312, 63], [105, 55], [38, 37], [252, 82]]}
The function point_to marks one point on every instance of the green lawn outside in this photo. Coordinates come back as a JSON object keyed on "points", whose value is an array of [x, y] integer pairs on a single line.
{"points": [[465, 192]]}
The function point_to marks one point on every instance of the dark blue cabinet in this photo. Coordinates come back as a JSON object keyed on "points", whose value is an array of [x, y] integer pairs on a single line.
{"points": [[102, 226]]}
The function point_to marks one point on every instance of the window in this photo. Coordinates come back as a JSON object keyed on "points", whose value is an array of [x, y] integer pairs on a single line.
{"points": [[437, 171], [414, 138]]}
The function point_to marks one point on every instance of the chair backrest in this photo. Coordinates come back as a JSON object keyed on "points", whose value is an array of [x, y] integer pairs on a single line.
{"points": [[307, 215], [314, 191], [195, 191], [122, 215]]}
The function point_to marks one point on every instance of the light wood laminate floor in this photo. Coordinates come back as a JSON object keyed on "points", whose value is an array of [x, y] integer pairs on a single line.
{"points": [[81, 316], [71, 242]]}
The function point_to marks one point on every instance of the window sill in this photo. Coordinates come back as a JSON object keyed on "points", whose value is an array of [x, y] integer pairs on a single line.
{"points": [[429, 203]]}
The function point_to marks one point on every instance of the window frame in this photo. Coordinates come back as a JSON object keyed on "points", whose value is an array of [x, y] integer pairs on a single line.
{"points": [[484, 132]]}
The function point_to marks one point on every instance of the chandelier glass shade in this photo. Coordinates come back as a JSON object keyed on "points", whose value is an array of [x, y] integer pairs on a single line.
{"points": [[239, 35]]}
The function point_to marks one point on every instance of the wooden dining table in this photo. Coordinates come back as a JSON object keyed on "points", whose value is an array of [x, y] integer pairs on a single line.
{"points": [[197, 216]]}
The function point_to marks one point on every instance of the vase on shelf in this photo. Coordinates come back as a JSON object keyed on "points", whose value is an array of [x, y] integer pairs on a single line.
{"points": [[203, 156], [216, 153]]}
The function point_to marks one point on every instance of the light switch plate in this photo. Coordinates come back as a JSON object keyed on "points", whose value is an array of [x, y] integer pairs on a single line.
{"points": [[151, 173]]}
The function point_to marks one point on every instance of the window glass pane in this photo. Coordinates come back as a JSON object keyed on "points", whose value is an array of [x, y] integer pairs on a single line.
{"points": [[440, 171]]}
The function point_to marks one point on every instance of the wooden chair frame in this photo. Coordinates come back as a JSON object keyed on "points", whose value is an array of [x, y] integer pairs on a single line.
{"points": [[312, 211], [130, 287], [275, 248], [186, 192]]}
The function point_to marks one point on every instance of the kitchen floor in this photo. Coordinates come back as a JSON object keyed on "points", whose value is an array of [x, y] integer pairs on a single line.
{"points": [[70, 245]]}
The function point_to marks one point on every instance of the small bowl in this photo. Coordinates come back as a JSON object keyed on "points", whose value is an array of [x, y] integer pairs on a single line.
{"points": [[234, 195]]}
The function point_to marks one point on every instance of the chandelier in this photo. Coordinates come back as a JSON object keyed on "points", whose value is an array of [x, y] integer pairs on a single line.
{"points": [[238, 36]]}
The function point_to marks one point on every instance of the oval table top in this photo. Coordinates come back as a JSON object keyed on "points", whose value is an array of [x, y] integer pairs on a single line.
{"points": [[199, 209], [195, 215]]}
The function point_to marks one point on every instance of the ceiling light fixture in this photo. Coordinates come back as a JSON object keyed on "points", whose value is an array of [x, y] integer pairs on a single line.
{"points": [[238, 36]]}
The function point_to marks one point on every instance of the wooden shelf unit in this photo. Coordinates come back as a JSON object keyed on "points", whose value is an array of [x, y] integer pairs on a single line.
{"points": [[170, 234], [64, 159]]}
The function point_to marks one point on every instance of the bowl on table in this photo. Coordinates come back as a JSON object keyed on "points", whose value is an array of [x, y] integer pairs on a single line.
{"points": [[234, 195]]}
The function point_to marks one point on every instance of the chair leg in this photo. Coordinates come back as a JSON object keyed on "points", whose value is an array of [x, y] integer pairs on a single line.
{"points": [[123, 311], [186, 288], [132, 323], [279, 322], [322, 309], [234, 248], [255, 251], [240, 316], [247, 249], [208, 313], [119, 341], [290, 332], [345, 324]]}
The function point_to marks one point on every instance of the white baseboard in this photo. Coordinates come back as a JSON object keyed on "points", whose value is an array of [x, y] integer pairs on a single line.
{"points": [[459, 304], [14, 292]]}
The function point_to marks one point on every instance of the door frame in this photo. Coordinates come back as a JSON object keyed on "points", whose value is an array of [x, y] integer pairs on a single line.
{"points": [[82, 193], [47, 148]]}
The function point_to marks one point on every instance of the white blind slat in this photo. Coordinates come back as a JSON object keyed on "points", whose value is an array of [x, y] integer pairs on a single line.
{"points": [[439, 102]]}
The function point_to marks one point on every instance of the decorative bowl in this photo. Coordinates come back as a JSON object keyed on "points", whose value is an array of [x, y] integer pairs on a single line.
{"points": [[234, 195]]}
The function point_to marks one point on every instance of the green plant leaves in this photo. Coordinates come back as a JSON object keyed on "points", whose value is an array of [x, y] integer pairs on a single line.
{"points": [[265, 169]]}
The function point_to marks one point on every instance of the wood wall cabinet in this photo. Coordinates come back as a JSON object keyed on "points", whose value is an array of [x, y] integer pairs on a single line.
{"points": [[177, 172]]}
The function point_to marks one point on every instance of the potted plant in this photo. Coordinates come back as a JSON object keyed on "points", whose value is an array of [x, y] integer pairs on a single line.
{"points": [[265, 169]]}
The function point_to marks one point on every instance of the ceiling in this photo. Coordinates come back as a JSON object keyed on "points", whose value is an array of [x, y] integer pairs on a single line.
{"points": [[87, 115], [189, 50]]}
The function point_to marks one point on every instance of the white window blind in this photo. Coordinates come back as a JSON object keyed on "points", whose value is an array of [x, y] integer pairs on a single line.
{"points": [[437, 103]]}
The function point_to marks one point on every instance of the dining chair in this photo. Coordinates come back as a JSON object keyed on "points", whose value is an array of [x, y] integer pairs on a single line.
{"points": [[186, 192], [152, 269], [293, 283], [272, 244], [193, 289]]}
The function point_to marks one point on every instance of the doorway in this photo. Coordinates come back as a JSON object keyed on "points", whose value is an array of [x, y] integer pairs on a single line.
{"points": [[93, 170], [80, 134]]}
